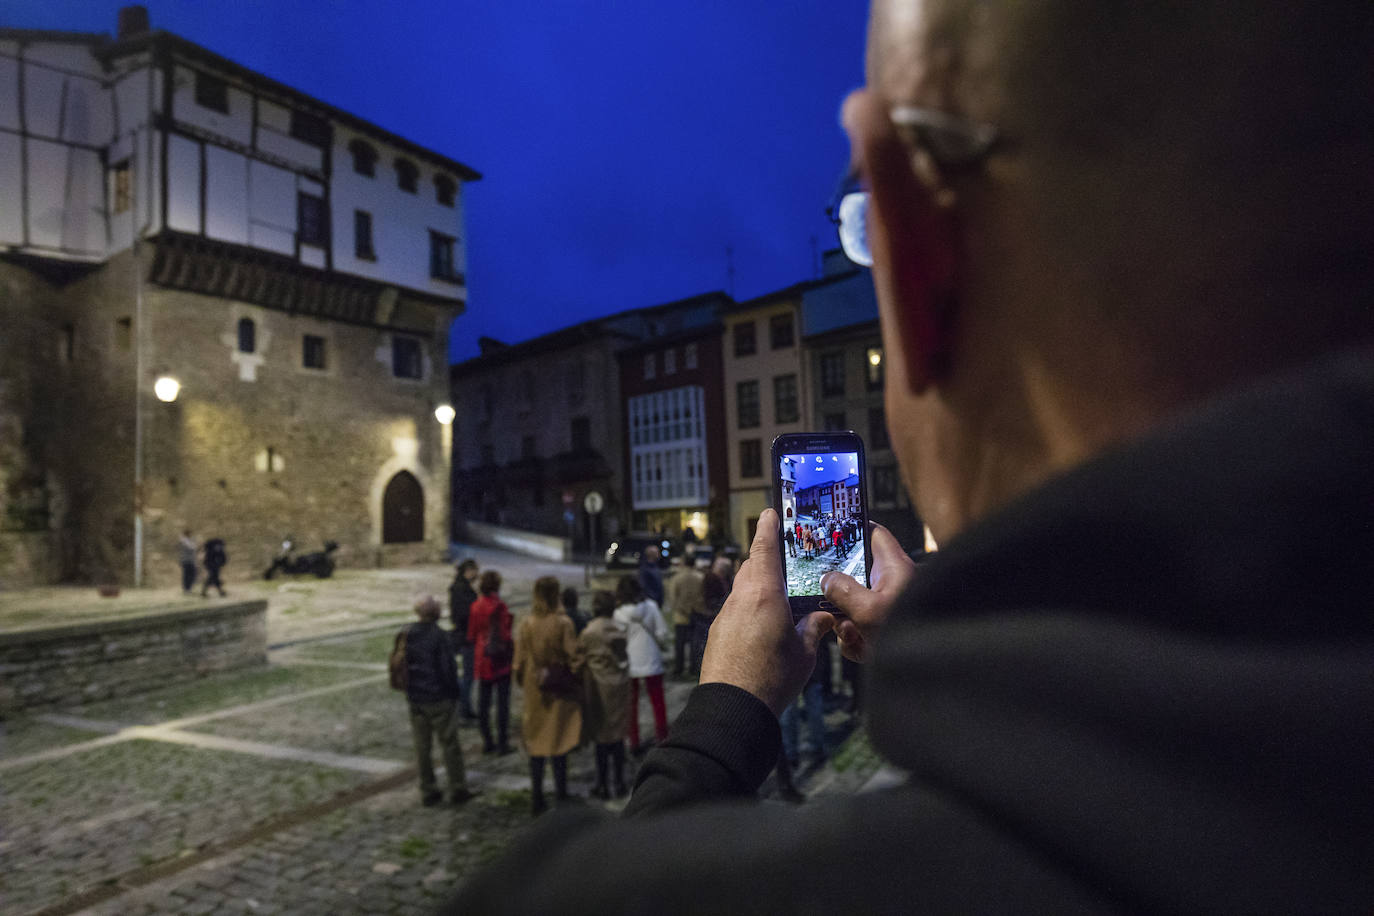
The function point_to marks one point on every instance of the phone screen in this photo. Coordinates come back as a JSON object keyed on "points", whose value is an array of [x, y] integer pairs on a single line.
{"points": [[823, 518]]}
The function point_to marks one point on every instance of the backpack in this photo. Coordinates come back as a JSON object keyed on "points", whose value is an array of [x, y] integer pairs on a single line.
{"points": [[499, 651], [396, 664]]}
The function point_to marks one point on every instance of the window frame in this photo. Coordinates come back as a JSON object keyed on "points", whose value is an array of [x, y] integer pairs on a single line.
{"points": [[246, 324], [833, 360], [878, 437], [121, 186], [781, 325], [874, 375], [445, 190], [754, 419], [363, 248], [364, 157], [319, 239], [310, 128], [407, 175], [745, 343], [750, 458], [321, 348], [779, 383], [211, 92], [400, 342], [443, 268]]}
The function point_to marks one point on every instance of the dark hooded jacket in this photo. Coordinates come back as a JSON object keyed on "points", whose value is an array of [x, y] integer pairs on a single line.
{"points": [[1148, 686]]}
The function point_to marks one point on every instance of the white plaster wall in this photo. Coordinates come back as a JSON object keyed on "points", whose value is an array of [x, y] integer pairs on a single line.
{"points": [[400, 220], [11, 189], [272, 208], [183, 185], [226, 195], [83, 217], [47, 172], [289, 148], [9, 93]]}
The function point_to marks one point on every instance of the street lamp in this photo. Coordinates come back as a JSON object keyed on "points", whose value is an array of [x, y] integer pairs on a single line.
{"points": [[444, 414], [166, 388]]}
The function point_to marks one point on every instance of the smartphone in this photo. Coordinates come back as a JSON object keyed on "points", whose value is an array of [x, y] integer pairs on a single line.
{"points": [[820, 489]]}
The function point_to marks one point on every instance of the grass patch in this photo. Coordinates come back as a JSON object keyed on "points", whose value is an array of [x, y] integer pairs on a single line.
{"points": [[367, 647], [511, 798], [853, 752], [415, 847]]}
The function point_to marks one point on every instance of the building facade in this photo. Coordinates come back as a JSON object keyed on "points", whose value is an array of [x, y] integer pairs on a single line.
{"points": [[541, 424], [844, 350], [167, 213], [674, 409]]}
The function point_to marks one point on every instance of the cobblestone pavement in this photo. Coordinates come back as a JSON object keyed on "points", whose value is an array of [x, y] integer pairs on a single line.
{"points": [[280, 789], [804, 574]]}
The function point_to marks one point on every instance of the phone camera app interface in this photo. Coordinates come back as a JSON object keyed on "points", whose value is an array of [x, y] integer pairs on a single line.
{"points": [[822, 518]]}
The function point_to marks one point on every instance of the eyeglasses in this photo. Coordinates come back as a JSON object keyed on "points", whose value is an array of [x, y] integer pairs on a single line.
{"points": [[951, 143]]}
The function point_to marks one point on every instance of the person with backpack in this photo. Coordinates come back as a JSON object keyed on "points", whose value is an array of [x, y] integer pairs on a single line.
{"points": [[422, 665], [489, 631], [215, 558]]}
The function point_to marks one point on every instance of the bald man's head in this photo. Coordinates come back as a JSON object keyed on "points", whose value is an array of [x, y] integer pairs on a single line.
{"points": [[1201, 163]]}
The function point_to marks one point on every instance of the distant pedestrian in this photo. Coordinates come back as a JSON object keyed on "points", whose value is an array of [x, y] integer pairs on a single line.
{"points": [[489, 629], [715, 588], [685, 600], [548, 665], [642, 619], [578, 618], [187, 548], [791, 543], [650, 576], [606, 717], [216, 556], [461, 596], [431, 686], [835, 539]]}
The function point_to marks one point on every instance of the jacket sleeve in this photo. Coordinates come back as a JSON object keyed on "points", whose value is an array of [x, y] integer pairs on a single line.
{"points": [[448, 667]]}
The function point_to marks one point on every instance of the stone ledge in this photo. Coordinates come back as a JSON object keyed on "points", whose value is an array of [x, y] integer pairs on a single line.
{"points": [[154, 617]]}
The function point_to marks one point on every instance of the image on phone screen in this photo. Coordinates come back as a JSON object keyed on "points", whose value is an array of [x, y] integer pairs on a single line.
{"points": [[822, 517]]}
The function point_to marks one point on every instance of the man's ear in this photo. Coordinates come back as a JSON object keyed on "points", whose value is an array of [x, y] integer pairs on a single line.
{"points": [[913, 240]]}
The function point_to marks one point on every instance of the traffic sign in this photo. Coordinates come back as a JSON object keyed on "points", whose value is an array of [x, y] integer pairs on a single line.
{"points": [[593, 502]]}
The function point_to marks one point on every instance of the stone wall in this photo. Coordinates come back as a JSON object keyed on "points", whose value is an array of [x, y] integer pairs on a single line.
{"points": [[80, 663]]}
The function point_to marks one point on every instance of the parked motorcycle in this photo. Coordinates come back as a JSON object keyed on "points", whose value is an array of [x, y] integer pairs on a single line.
{"points": [[320, 564]]}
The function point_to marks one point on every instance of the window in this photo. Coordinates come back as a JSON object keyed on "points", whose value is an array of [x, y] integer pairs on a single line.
{"points": [[312, 351], [124, 333], [310, 128], [649, 365], [834, 422], [445, 190], [212, 93], [405, 358], [248, 336], [750, 458], [785, 408], [877, 429], [121, 187], [832, 374], [780, 331], [407, 176], [310, 220], [670, 362], [441, 265], [364, 158], [689, 356], [747, 403], [362, 236], [581, 434], [873, 368], [744, 338]]}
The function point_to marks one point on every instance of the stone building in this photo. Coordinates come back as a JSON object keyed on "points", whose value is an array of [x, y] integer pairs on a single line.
{"points": [[844, 351], [167, 214], [676, 475], [541, 423]]}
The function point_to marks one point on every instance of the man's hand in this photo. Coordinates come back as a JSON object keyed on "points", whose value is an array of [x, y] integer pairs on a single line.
{"points": [[753, 643], [866, 609]]}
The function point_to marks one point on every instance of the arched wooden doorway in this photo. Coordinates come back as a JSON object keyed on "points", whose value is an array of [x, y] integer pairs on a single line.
{"points": [[403, 510]]}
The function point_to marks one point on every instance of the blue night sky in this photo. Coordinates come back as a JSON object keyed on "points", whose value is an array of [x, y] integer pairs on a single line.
{"points": [[830, 468], [623, 145]]}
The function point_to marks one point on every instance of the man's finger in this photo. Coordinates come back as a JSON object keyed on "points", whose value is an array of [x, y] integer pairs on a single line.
{"points": [[813, 628], [848, 594], [886, 549], [852, 642]]}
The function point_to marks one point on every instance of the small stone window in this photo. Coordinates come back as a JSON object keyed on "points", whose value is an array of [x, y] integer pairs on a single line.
{"points": [[248, 336], [313, 351], [407, 176], [445, 190], [310, 128], [405, 358], [364, 158], [212, 92], [313, 227]]}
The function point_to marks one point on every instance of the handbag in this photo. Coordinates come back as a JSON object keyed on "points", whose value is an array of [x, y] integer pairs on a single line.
{"points": [[558, 680]]}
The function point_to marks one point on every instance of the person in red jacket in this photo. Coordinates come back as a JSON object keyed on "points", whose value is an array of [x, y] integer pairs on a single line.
{"points": [[489, 630]]}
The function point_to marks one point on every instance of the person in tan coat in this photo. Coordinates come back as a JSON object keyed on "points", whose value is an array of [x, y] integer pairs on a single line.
{"points": [[685, 598], [548, 667], [607, 713]]}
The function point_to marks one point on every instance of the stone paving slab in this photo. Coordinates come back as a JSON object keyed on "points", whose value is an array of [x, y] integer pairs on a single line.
{"points": [[21, 736], [103, 812]]}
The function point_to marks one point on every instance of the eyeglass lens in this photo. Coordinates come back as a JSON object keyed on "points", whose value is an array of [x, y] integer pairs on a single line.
{"points": [[853, 228]]}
